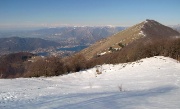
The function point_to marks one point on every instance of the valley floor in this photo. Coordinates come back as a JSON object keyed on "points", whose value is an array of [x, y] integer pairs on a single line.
{"points": [[151, 83]]}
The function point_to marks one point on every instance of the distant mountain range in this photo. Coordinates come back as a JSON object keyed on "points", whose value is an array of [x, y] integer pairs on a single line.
{"points": [[147, 29], [69, 35]]}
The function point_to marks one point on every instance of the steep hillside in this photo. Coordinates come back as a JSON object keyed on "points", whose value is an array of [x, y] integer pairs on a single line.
{"points": [[146, 29]]}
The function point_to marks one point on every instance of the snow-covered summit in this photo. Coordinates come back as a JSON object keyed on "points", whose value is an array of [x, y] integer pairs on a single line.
{"points": [[151, 83]]}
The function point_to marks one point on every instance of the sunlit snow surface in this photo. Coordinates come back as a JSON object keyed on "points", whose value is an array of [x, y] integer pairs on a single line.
{"points": [[152, 83]]}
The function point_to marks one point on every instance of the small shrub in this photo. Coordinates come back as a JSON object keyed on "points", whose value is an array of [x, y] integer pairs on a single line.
{"points": [[98, 69], [120, 88], [110, 48], [121, 45]]}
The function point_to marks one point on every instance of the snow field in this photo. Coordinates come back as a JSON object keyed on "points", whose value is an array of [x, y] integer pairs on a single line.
{"points": [[148, 83]]}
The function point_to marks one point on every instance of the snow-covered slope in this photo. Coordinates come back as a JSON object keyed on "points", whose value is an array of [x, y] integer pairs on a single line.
{"points": [[152, 83]]}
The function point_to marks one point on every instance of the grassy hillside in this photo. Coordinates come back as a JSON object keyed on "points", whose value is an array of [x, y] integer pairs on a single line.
{"points": [[141, 49]]}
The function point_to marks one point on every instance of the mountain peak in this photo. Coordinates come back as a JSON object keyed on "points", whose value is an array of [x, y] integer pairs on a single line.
{"points": [[151, 22], [146, 29], [153, 28]]}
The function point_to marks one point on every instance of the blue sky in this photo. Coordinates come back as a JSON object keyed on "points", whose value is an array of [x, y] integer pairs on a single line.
{"points": [[47, 13]]}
